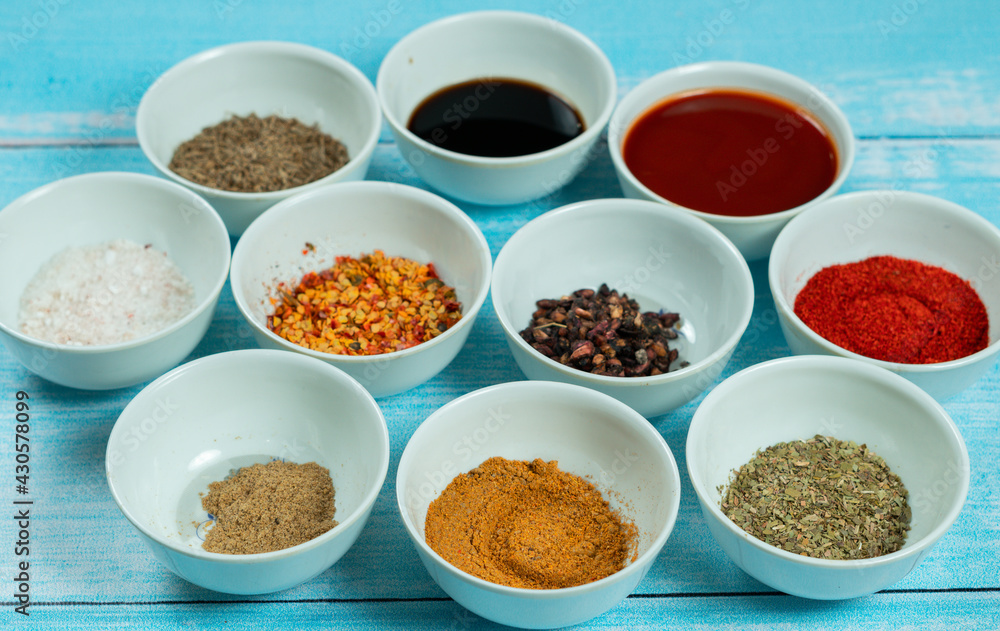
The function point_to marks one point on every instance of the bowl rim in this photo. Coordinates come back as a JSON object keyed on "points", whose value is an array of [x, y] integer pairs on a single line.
{"points": [[291, 50], [22, 204], [645, 207], [784, 244], [404, 192], [618, 130], [623, 414], [267, 356], [580, 142], [857, 370]]}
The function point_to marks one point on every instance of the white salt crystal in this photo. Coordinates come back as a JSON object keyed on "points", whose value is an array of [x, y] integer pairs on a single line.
{"points": [[104, 294]]}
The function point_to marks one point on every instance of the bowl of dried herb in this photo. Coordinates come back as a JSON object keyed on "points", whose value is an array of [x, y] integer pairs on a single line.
{"points": [[902, 280], [248, 124], [379, 279], [537, 504], [633, 298], [249, 472], [825, 477]]}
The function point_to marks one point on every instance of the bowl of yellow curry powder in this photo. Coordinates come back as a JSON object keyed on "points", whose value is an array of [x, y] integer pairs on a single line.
{"points": [[537, 504]]}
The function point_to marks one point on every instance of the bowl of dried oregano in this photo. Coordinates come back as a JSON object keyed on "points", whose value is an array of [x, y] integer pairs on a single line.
{"points": [[825, 477]]}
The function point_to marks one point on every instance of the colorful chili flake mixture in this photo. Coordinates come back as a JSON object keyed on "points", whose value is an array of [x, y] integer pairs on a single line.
{"points": [[366, 306], [895, 310]]}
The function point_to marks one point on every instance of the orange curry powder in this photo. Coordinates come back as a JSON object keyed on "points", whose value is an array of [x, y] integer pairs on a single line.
{"points": [[529, 525]]}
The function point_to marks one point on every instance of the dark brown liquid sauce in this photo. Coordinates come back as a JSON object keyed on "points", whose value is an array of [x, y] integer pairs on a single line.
{"points": [[495, 118], [731, 152]]}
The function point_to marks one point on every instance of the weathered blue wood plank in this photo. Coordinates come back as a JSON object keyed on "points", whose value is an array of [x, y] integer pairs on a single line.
{"points": [[908, 68], [74, 425], [919, 80]]}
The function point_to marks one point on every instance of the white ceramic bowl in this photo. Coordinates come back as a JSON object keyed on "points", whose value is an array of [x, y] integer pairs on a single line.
{"points": [[660, 256], [590, 435], [795, 398], [752, 235], [855, 226], [93, 209], [195, 424], [496, 44], [263, 78], [357, 218]]}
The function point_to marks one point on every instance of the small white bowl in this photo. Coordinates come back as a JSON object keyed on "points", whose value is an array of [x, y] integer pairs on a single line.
{"points": [[752, 235], [357, 218], [855, 226], [96, 208], [795, 398], [202, 420], [590, 435], [658, 255], [496, 44], [263, 78]]}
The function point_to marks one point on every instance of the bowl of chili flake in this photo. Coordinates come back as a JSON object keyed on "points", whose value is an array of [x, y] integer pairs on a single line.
{"points": [[898, 279], [379, 279]]}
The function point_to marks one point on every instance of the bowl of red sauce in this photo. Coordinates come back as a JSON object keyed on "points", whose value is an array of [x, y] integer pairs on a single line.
{"points": [[743, 146], [902, 280]]}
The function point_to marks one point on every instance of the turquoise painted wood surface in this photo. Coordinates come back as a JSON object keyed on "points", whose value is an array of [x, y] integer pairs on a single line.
{"points": [[918, 79]]}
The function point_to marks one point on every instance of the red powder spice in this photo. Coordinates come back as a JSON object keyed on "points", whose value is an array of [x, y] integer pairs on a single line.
{"points": [[895, 310]]}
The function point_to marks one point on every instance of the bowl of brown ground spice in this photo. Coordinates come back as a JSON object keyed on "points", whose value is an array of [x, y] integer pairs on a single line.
{"points": [[249, 472], [246, 125], [537, 504]]}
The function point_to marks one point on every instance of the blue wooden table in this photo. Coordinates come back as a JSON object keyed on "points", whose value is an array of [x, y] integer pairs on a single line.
{"points": [[918, 79]]}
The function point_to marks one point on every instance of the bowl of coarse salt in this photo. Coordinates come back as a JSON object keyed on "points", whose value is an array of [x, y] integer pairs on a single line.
{"points": [[112, 280]]}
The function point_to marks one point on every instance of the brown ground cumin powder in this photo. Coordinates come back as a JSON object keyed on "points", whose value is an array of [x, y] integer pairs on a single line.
{"points": [[258, 155], [267, 507], [528, 524]]}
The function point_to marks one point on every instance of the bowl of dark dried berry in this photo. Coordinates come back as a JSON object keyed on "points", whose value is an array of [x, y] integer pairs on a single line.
{"points": [[629, 297], [825, 477], [897, 279], [248, 124]]}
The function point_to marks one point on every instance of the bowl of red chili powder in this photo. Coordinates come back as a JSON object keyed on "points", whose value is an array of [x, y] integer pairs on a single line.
{"points": [[902, 280], [743, 146]]}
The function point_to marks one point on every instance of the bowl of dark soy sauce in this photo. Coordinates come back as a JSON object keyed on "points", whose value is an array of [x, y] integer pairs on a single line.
{"points": [[496, 107], [743, 146]]}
